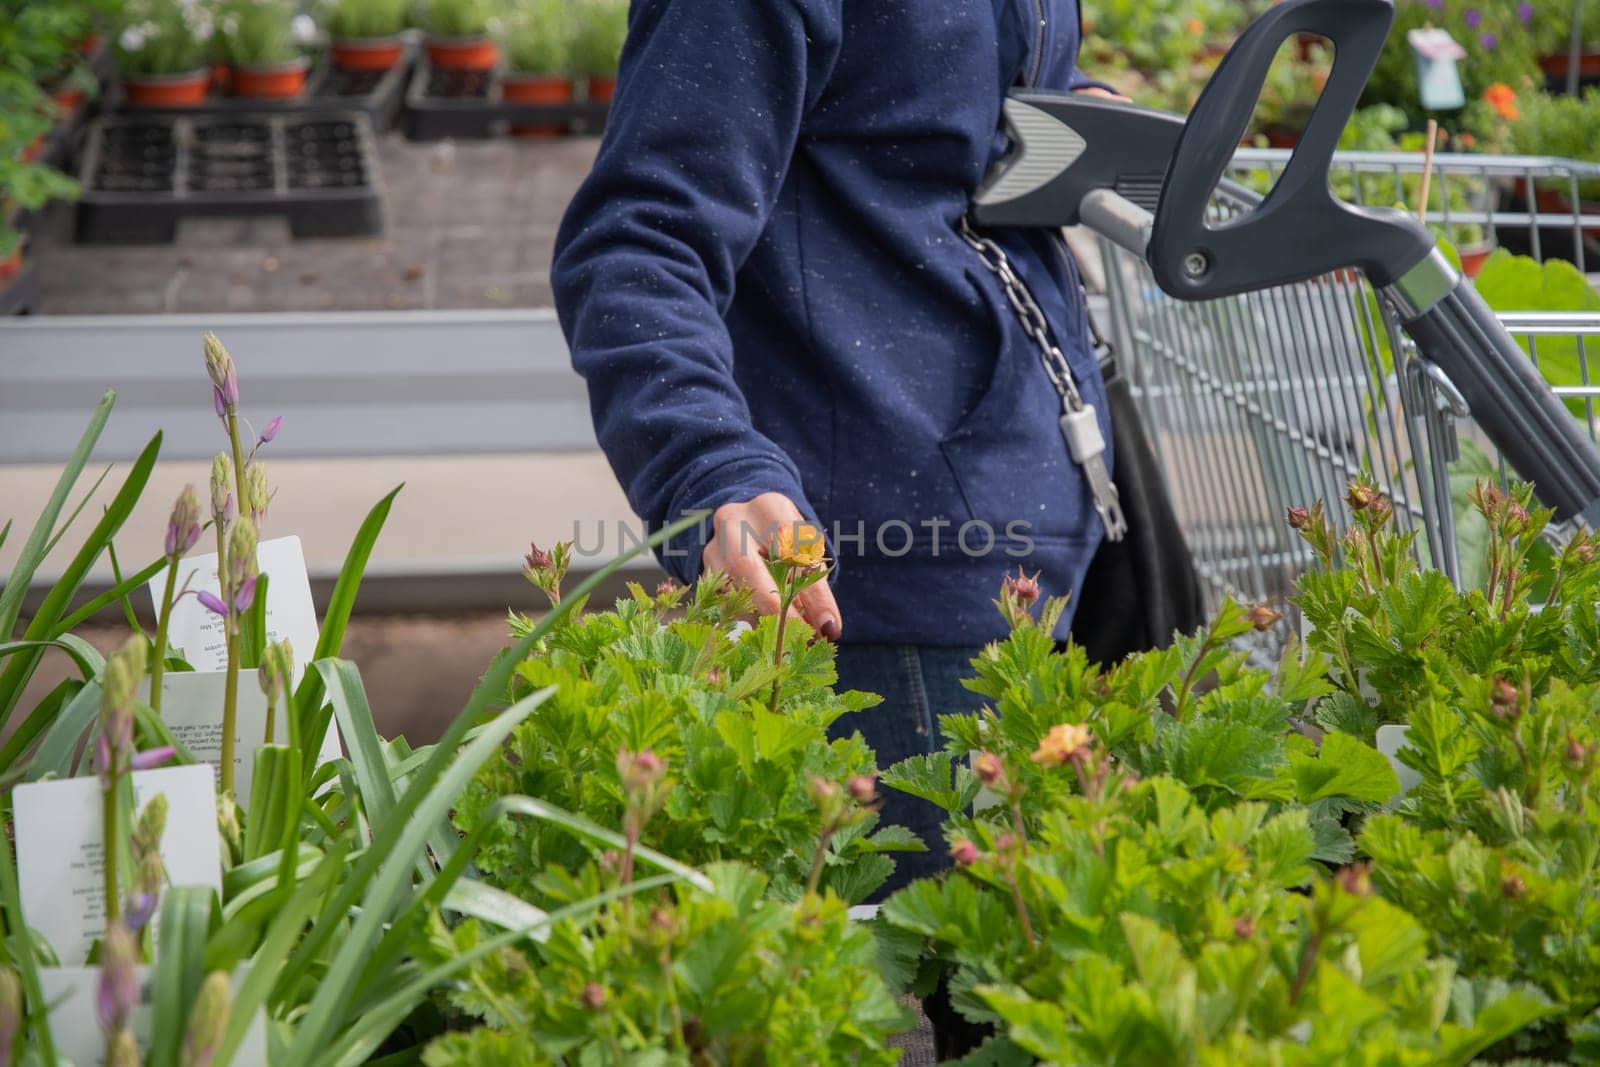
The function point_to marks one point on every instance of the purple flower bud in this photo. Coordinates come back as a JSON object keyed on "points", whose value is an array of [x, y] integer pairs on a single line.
{"points": [[152, 758], [1489, 41], [1525, 12], [246, 595], [211, 602], [1436, 4], [118, 993], [272, 430], [1473, 17], [141, 907], [102, 754], [218, 403], [230, 389]]}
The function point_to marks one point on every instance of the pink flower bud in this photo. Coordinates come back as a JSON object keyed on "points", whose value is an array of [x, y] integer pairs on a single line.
{"points": [[863, 788], [1023, 589], [218, 403], [988, 768], [964, 852], [118, 992], [152, 758], [272, 429], [1299, 518], [537, 558], [1263, 618], [594, 996], [246, 596]]}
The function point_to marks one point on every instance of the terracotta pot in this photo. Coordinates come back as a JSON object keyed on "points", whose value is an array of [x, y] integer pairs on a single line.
{"points": [[367, 53], [89, 45], [1473, 258], [274, 81], [167, 90], [462, 53], [1556, 64], [543, 89], [221, 78], [11, 266], [68, 100], [602, 88], [1279, 137]]}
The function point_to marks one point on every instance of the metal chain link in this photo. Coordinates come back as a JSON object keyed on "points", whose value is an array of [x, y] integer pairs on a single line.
{"points": [[1029, 314]]}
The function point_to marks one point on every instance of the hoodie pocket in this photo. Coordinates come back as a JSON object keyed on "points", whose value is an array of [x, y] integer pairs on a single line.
{"points": [[1007, 455]]}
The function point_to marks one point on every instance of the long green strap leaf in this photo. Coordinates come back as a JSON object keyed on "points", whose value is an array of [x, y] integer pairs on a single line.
{"points": [[416, 815], [341, 679], [33, 549], [27, 963], [343, 599], [120, 591], [489, 689], [55, 752], [180, 967], [299, 905], [55, 602]]}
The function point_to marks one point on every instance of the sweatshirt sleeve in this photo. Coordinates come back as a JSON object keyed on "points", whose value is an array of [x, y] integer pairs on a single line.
{"points": [[710, 98]]}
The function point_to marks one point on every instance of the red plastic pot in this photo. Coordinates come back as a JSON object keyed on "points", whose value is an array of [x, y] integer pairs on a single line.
{"points": [[68, 100], [167, 90], [275, 81], [1473, 259], [32, 150], [11, 266], [602, 89], [462, 53], [89, 45], [367, 53], [542, 89], [1557, 64]]}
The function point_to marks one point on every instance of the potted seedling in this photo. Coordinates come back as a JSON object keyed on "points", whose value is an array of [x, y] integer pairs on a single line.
{"points": [[538, 41], [602, 27], [264, 43], [162, 52], [366, 33], [460, 34]]}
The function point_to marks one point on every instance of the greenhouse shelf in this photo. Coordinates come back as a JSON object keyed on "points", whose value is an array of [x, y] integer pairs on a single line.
{"points": [[475, 108], [377, 94], [142, 175]]}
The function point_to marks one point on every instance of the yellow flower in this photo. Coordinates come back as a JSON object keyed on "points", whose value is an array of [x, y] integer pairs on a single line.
{"points": [[1064, 741], [800, 545]]}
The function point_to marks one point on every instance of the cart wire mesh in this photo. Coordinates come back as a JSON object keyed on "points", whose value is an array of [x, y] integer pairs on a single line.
{"points": [[1278, 398]]}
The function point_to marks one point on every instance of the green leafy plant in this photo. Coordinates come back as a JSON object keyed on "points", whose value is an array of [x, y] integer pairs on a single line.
{"points": [[539, 36], [602, 28], [163, 37], [727, 976], [263, 33], [366, 18], [458, 18], [669, 675]]}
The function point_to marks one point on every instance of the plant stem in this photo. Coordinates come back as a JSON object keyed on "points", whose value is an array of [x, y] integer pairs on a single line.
{"points": [[158, 664], [108, 812], [672, 999], [272, 713], [1308, 962], [1016, 824], [1022, 909], [784, 600], [820, 858], [238, 461], [230, 702]]}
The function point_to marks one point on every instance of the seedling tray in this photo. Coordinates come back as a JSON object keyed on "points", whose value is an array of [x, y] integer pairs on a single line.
{"points": [[142, 175], [470, 105], [378, 94], [19, 294]]}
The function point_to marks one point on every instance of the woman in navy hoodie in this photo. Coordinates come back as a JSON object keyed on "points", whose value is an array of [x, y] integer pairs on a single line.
{"points": [[764, 284]]}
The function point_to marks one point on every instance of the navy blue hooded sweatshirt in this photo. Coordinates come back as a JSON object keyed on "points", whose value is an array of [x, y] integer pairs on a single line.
{"points": [[763, 285]]}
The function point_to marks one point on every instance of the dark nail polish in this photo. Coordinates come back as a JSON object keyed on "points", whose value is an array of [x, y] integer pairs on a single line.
{"points": [[830, 628]]}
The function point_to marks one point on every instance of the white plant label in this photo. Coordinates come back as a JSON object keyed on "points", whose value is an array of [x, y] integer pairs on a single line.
{"points": [[291, 616], [75, 1026], [191, 707], [61, 849], [1391, 739]]}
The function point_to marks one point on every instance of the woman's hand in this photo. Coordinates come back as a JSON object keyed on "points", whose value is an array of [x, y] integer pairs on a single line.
{"points": [[740, 534]]}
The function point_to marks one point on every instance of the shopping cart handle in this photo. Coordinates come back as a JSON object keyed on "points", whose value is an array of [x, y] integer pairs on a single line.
{"points": [[1301, 230]]}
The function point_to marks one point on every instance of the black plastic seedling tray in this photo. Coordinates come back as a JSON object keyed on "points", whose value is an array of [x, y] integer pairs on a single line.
{"points": [[378, 94], [142, 175], [470, 105]]}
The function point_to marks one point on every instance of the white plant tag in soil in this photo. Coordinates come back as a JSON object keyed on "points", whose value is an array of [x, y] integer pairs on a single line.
{"points": [[291, 615], [1391, 739], [61, 849], [198, 635], [70, 992], [191, 707]]}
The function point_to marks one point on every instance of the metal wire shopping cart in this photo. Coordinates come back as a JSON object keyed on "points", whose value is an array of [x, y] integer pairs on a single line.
{"points": [[1280, 396]]}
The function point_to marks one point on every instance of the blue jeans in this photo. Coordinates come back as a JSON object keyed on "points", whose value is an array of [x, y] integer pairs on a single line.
{"points": [[918, 683]]}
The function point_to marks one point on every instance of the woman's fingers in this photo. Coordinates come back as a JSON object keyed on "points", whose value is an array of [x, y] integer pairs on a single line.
{"points": [[740, 534]]}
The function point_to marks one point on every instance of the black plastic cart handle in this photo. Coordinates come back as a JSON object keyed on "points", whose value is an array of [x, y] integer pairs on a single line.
{"points": [[1145, 180]]}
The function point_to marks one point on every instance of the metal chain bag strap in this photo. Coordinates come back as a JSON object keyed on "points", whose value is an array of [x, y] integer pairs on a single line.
{"points": [[1142, 586]]}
